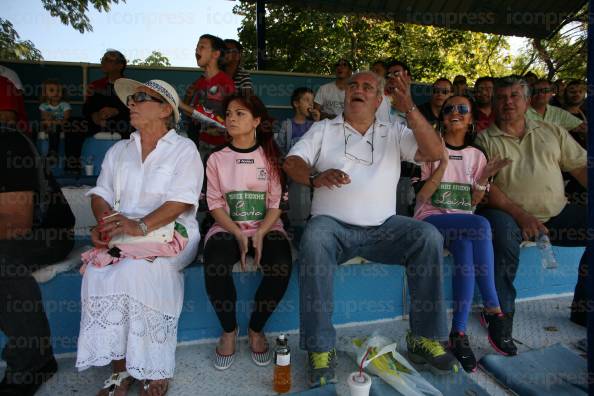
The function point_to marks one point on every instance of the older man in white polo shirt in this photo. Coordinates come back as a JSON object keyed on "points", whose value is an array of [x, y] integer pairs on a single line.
{"points": [[353, 164]]}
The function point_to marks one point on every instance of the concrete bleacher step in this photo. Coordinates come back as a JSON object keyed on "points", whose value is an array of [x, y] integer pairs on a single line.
{"points": [[549, 371], [363, 293], [195, 374]]}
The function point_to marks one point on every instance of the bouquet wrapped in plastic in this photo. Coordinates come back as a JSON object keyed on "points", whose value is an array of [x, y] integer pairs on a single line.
{"points": [[378, 356]]}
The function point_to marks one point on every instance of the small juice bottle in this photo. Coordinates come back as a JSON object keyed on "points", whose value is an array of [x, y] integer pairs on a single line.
{"points": [[282, 365]]}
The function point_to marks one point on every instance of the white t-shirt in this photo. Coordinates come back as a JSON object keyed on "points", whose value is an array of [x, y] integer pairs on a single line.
{"points": [[56, 111], [370, 198], [330, 98]]}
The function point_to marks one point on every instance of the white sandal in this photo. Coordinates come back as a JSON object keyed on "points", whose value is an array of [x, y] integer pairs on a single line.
{"points": [[115, 382]]}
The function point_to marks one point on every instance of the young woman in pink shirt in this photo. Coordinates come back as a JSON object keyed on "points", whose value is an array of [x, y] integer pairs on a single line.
{"points": [[244, 193], [451, 189]]}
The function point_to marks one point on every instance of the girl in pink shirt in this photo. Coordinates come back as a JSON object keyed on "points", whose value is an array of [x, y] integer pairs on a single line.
{"points": [[244, 192], [450, 190]]}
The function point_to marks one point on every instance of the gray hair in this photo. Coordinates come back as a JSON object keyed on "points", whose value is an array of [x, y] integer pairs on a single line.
{"points": [[380, 81], [509, 81]]}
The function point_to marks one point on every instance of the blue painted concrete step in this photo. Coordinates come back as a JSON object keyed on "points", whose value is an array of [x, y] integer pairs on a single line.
{"points": [[365, 292]]}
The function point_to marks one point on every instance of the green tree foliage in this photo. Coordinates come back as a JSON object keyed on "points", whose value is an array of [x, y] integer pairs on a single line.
{"points": [[563, 55], [70, 12], [311, 41], [74, 12], [154, 59], [12, 48]]}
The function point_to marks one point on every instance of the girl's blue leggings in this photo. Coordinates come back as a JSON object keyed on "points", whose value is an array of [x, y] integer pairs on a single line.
{"points": [[468, 238]]}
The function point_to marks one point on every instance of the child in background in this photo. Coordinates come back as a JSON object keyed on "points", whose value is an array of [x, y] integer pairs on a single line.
{"points": [[54, 113], [302, 101], [54, 110]]}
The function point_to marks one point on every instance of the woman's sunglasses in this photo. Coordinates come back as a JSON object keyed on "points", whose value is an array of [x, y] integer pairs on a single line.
{"points": [[139, 97], [461, 109]]}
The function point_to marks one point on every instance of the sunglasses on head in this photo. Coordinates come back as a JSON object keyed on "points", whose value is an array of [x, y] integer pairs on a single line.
{"points": [[542, 91], [139, 97], [460, 108], [443, 91]]}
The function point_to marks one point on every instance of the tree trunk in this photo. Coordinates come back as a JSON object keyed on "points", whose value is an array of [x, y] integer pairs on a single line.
{"points": [[546, 58]]}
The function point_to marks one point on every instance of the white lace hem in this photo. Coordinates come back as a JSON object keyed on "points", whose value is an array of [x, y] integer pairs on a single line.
{"points": [[115, 327]]}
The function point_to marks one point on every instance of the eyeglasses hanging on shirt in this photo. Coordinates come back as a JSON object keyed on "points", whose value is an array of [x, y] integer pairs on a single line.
{"points": [[359, 157]]}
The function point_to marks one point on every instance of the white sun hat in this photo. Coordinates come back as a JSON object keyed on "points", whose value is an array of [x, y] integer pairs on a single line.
{"points": [[125, 87]]}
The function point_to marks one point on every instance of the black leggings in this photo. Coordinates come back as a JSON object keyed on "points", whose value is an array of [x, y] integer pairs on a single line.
{"points": [[222, 252]]}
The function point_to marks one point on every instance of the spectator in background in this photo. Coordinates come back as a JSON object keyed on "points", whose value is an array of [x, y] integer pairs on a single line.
{"points": [[205, 97], [483, 97], [12, 76], [53, 109], [387, 112], [574, 102], [292, 129], [12, 104], [575, 99], [460, 86], [441, 90], [527, 197], [304, 115], [329, 99], [559, 94], [530, 78], [102, 108], [240, 76], [540, 109], [379, 67], [54, 112], [36, 226]]}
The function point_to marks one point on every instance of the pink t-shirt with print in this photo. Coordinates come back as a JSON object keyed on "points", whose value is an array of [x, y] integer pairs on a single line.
{"points": [[454, 193], [238, 181]]}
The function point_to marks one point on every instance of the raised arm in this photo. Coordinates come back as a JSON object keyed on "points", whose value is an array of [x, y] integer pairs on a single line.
{"points": [[427, 139]]}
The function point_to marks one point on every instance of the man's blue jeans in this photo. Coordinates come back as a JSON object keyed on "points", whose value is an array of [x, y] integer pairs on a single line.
{"points": [[327, 242], [568, 228]]}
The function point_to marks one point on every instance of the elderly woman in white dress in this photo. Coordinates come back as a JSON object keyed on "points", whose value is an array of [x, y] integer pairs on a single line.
{"points": [[131, 304]]}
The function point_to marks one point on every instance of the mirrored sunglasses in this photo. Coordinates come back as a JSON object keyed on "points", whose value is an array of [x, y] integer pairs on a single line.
{"points": [[461, 109]]}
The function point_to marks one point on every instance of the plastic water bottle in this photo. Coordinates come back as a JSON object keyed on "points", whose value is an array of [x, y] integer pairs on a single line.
{"points": [[547, 257], [42, 143], [282, 365]]}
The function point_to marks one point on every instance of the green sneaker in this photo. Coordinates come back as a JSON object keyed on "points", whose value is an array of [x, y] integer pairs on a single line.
{"points": [[423, 351], [321, 368]]}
